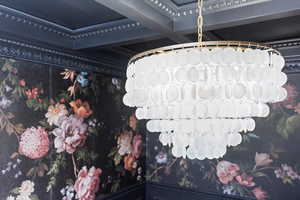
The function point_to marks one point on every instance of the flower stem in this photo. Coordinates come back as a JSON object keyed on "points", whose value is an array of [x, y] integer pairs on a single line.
{"points": [[161, 167], [74, 166]]}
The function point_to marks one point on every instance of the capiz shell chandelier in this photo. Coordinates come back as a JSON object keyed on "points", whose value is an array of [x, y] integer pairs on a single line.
{"points": [[201, 96]]}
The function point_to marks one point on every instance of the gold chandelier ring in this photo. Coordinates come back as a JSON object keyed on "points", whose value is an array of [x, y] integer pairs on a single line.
{"points": [[208, 44]]}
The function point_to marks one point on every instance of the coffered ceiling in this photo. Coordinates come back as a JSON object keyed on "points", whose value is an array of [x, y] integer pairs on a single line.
{"points": [[71, 14], [110, 29]]}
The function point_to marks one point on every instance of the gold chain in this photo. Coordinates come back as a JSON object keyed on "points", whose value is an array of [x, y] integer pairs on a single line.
{"points": [[200, 23]]}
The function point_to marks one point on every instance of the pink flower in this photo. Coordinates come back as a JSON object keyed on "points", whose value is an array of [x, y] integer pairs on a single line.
{"points": [[262, 159], [297, 108], [87, 183], [34, 143], [137, 145], [226, 171], [286, 172], [259, 193], [245, 180], [70, 134], [22, 83], [290, 101]]}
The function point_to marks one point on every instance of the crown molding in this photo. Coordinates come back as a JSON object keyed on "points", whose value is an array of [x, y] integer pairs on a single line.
{"points": [[20, 50], [290, 49]]}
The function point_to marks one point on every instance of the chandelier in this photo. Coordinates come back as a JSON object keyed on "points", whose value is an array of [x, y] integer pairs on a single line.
{"points": [[202, 96]]}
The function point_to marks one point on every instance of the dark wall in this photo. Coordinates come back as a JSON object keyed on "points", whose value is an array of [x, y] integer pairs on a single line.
{"points": [[66, 133], [265, 166]]}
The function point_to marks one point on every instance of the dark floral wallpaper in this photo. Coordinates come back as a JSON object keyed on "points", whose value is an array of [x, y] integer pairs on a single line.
{"points": [[65, 134], [265, 166]]}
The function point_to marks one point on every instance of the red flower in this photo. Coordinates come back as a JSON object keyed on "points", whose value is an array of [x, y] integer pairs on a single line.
{"points": [[245, 180], [32, 93], [259, 193], [137, 145], [87, 183]]}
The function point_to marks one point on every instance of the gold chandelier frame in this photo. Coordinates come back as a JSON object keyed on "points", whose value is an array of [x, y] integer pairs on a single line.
{"points": [[208, 45]]}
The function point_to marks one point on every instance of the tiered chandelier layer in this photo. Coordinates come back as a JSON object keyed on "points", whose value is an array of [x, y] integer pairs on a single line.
{"points": [[202, 96]]}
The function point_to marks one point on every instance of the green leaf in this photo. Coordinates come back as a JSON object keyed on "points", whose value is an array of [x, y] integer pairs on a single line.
{"points": [[31, 172], [15, 190], [34, 197], [69, 182], [113, 152], [288, 126], [117, 159], [115, 187], [259, 174]]}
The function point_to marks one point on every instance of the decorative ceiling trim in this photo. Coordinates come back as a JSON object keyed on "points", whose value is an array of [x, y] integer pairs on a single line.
{"points": [[13, 15], [168, 8], [291, 43], [116, 26], [29, 52]]}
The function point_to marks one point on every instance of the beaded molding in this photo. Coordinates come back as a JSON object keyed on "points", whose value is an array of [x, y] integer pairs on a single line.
{"points": [[170, 9], [24, 51]]}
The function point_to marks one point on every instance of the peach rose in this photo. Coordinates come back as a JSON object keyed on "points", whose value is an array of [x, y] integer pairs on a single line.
{"points": [[137, 145], [87, 183], [262, 159], [226, 171], [259, 193], [80, 108], [245, 180], [129, 162]]}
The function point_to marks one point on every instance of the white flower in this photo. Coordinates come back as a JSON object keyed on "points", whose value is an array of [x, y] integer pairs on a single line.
{"points": [[23, 197], [161, 158], [5, 102], [228, 189], [262, 159], [55, 112], [124, 143], [116, 82], [63, 191], [26, 188], [7, 88], [10, 198]]}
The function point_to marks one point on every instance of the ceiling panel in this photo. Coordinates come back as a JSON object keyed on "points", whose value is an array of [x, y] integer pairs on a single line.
{"points": [[278, 29], [183, 2], [69, 13]]}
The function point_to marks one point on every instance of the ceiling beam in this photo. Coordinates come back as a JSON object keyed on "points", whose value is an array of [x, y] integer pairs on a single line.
{"points": [[134, 9], [138, 10], [255, 13]]}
